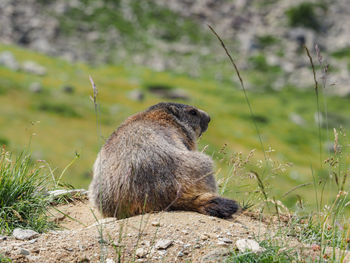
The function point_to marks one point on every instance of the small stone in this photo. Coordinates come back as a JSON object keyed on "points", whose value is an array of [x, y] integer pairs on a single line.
{"points": [[109, 260], [226, 240], [155, 223], [244, 245], [24, 252], [147, 243], [136, 95], [24, 234], [187, 246], [141, 252], [222, 244], [32, 241], [3, 238], [162, 252], [81, 247], [8, 60], [185, 232], [204, 237], [35, 87], [163, 244], [197, 246], [180, 254], [216, 255], [33, 68]]}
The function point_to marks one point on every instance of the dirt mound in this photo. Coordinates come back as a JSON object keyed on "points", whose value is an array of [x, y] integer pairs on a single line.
{"points": [[160, 237]]}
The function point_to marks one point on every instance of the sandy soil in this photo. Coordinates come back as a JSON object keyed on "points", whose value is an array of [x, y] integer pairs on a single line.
{"points": [[187, 236]]}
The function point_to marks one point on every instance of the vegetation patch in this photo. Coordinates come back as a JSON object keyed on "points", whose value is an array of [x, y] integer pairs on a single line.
{"points": [[59, 109], [23, 194], [306, 15], [271, 254]]}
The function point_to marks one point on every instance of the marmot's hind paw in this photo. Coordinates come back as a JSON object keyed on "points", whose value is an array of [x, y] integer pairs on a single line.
{"points": [[221, 207]]}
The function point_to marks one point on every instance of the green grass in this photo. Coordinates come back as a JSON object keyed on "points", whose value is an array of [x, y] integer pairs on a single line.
{"points": [[4, 259], [23, 194], [271, 254], [62, 124]]}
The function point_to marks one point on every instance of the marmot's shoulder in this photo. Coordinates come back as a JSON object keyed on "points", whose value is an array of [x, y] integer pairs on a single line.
{"points": [[173, 119]]}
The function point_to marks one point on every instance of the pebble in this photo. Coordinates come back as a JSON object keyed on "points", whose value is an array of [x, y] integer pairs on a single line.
{"points": [[155, 223], [109, 260], [216, 255], [24, 252], [204, 237], [163, 244], [33, 68], [222, 243], [24, 234], [141, 252], [226, 240], [180, 254], [146, 243], [185, 232]]}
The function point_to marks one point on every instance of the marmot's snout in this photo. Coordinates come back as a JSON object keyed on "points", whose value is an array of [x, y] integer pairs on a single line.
{"points": [[205, 119]]}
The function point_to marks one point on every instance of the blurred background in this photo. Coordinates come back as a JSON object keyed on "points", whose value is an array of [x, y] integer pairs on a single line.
{"points": [[143, 52]]}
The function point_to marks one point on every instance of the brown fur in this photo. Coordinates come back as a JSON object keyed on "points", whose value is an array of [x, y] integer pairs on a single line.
{"points": [[150, 163]]}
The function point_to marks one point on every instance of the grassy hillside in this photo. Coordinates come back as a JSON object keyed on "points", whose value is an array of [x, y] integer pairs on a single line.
{"points": [[57, 125]]}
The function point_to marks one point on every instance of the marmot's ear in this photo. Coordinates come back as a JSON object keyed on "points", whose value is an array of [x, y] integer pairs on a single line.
{"points": [[174, 110]]}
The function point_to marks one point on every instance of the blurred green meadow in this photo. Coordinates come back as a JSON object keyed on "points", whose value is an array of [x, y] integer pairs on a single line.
{"points": [[58, 126]]}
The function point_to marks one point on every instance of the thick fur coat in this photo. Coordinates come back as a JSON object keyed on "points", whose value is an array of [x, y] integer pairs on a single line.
{"points": [[150, 163]]}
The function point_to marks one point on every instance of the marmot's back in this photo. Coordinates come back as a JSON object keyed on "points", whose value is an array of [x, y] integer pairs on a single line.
{"points": [[150, 163]]}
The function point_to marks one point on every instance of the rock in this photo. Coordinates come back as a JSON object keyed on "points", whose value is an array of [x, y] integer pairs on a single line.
{"points": [[155, 223], [24, 252], [163, 244], [24, 234], [178, 94], [33, 68], [217, 255], [226, 240], [141, 252], [136, 95], [302, 78], [8, 60], [146, 243], [35, 87], [297, 119], [222, 243], [180, 254], [244, 245], [185, 232], [60, 192], [109, 260], [204, 237], [68, 89]]}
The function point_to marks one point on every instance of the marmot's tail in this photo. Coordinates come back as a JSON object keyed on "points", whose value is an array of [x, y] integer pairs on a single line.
{"points": [[220, 207], [208, 204]]}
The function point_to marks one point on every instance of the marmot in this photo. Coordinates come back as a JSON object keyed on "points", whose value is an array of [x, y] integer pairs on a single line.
{"points": [[150, 163]]}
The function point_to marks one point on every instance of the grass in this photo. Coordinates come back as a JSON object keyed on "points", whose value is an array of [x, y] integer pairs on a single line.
{"points": [[58, 133], [4, 259], [23, 194], [280, 183], [271, 254]]}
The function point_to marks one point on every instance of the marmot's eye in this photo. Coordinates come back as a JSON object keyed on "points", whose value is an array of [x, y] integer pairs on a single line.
{"points": [[193, 112]]}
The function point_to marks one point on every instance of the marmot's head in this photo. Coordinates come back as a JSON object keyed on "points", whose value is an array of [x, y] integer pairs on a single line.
{"points": [[187, 115]]}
